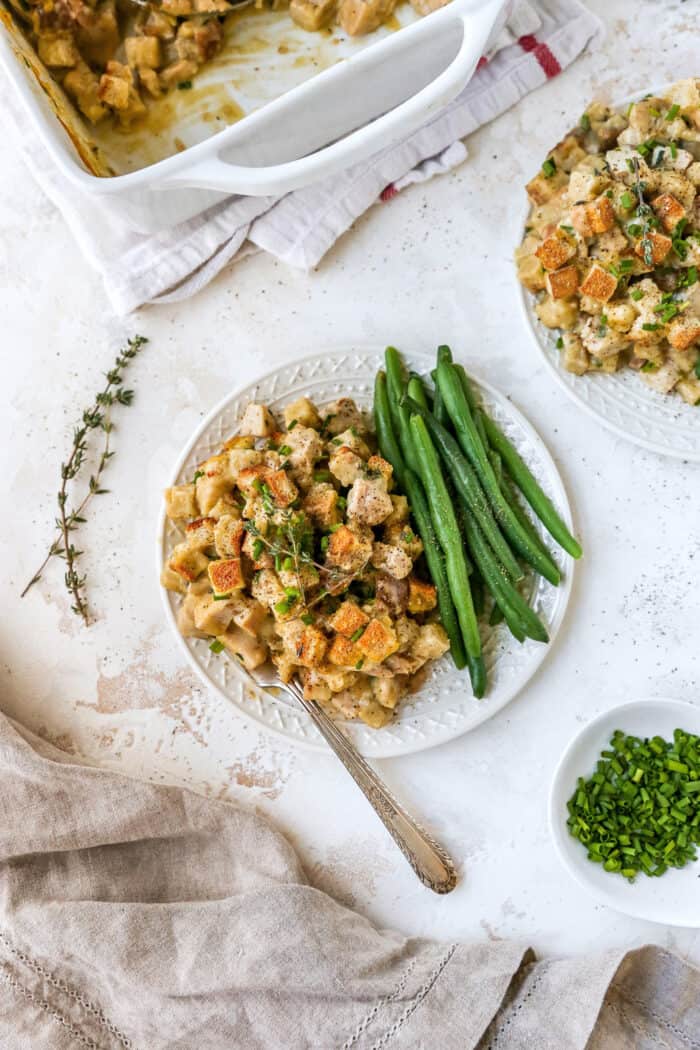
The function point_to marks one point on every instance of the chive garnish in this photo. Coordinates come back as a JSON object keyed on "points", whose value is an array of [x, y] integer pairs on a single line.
{"points": [[548, 168], [217, 646]]}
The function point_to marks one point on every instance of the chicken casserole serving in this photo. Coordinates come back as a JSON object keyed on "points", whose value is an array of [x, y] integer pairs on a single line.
{"points": [[612, 243], [296, 548]]}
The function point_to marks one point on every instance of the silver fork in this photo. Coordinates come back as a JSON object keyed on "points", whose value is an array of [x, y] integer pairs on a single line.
{"points": [[430, 862]]}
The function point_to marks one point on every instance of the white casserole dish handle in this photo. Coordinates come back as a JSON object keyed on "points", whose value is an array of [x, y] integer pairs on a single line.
{"points": [[216, 173]]}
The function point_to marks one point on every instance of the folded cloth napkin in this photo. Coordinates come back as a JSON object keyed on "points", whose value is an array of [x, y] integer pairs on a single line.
{"points": [[136, 917], [542, 37]]}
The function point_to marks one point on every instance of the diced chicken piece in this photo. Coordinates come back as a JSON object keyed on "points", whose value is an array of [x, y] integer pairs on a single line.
{"points": [[531, 273], [544, 188], [187, 561], [343, 415], [377, 641], [249, 615], [627, 165], [82, 85], [58, 50], [251, 545], [150, 81], [158, 24], [391, 560], [657, 243], [228, 536], [350, 439], [199, 42], [114, 91], [143, 52], [422, 597], [599, 284], [404, 537], [432, 642], [609, 247], [172, 581], [601, 341], [677, 186], [621, 316], [302, 412], [185, 617], [662, 379], [685, 94], [555, 251], [689, 389], [248, 651], [250, 480], [575, 357], [684, 331], [349, 549], [306, 447], [348, 619], [562, 284], [237, 459], [212, 616], [179, 72], [199, 534], [226, 575], [344, 653], [587, 181], [312, 15], [268, 590], [387, 692], [363, 16], [380, 468], [315, 686], [346, 465], [399, 513], [225, 505], [180, 503], [97, 32], [693, 173], [669, 210], [373, 714], [557, 313], [321, 504], [211, 7], [368, 501], [214, 481], [393, 593], [257, 420]]}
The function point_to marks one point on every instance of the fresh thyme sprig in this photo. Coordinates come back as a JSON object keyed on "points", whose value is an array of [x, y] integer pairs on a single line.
{"points": [[97, 417], [645, 213]]}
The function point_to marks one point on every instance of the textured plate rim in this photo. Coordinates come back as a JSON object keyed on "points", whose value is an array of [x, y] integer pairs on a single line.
{"points": [[488, 710], [558, 791]]}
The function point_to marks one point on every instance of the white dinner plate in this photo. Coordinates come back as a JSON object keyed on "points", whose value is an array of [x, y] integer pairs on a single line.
{"points": [[444, 707], [673, 898], [621, 402]]}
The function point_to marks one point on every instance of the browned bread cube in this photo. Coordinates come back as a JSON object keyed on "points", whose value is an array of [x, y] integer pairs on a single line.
{"points": [[669, 210], [562, 283], [660, 246], [348, 619], [555, 252], [226, 575], [599, 284]]}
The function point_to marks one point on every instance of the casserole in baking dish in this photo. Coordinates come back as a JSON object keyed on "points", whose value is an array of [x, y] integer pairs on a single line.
{"points": [[277, 108]]}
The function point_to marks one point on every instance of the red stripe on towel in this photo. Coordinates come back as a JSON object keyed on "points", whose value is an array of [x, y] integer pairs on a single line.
{"points": [[542, 53], [388, 192]]}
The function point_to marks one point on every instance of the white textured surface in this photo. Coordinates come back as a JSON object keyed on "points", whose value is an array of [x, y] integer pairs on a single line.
{"points": [[444, 708], [433, 265]]}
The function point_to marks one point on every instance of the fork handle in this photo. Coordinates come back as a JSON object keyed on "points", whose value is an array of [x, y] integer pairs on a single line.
{"points": [[429, 860]]}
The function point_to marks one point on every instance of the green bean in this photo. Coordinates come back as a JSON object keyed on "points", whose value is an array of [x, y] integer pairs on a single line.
{"points": [[496, 616], [528, 485], [410, 484], [469, 490], [439, 411], [467, 434], [400, 415], [515, 608], [416, 390], [447, 530], [476, 583], [477, 675], [519, 511]]}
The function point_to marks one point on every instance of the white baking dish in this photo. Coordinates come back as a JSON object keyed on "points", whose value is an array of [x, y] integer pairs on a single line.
{"points": [[381, 89]]}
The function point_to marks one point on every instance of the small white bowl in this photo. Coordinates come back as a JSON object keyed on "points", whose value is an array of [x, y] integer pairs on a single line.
{"points": [[672, 899]]}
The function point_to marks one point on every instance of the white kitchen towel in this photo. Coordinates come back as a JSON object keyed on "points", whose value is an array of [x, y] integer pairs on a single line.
{"points": [[542, 38]]}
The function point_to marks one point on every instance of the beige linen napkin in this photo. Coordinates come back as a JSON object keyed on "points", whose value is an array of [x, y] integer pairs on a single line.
{"points": [[135, 917]]}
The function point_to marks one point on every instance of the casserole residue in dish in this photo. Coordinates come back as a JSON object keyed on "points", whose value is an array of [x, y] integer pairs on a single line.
{"points": [[612, 243], [113, 58]]}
